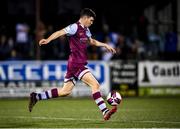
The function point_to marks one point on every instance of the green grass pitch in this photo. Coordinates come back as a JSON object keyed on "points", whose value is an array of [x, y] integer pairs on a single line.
{"points": [[83, 113]]}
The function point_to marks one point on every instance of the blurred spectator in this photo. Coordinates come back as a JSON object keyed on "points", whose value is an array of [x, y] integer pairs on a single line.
{"points": [[11, 42], [171, 44], [106, 56], [171, 41], [61, 49], [5, 47], [121, 48], [153, 43], [14, 55], [161, 34], [137, 49], [22, 40], [113, 37]]}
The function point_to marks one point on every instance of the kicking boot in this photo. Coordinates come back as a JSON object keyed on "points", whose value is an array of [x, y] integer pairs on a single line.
{"points": [[108, 114], [32, 101]]}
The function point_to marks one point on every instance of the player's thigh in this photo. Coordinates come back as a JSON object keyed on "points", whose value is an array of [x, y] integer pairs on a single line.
{"points": [[90, 80], [66, 89]]}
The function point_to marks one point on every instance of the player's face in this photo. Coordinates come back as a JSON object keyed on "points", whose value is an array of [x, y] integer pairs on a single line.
{"points": [[89, 21]]}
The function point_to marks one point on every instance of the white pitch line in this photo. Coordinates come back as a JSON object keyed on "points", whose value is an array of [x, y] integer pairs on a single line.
{"points": [[52, 118], [89, 128], [88, 119]]}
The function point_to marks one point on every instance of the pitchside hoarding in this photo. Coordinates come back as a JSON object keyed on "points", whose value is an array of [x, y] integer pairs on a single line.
{"points": [[124, 77], [159, 78], [19, 78], [159, 73]]}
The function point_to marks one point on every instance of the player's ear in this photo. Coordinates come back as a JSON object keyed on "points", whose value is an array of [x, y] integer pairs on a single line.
{"points": [[85, 17]]}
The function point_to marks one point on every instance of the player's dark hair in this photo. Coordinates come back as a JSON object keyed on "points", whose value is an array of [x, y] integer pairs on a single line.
{"points": [[88, 12]]}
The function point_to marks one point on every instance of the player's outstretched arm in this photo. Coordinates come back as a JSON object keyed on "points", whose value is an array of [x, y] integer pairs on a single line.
{"points": [[52, 37], [100, 44]]}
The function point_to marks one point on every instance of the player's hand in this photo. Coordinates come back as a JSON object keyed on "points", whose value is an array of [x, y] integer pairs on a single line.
{"points": [[43, 41], [110, 49]]}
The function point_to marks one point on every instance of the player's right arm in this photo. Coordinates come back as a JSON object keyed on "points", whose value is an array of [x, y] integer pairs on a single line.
{"points": [[52, 37], [69, 30]]}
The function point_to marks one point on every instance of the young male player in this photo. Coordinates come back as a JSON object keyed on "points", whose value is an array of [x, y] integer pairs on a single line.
{"points": [[79, 35]]}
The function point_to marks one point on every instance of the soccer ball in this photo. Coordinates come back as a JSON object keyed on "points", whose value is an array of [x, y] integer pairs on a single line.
{"points": [[114, 98]]}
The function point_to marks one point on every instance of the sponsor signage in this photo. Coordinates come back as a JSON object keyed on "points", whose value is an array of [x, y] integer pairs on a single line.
{"points": [[18, 78], [124, 77], [158, 74]]}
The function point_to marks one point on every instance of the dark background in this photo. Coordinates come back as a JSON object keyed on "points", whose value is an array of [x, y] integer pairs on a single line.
{"points": [[126, 17], [117, 13]]}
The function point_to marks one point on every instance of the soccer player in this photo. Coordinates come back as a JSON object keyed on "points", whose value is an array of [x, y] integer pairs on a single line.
{"points": [[79, 35]]}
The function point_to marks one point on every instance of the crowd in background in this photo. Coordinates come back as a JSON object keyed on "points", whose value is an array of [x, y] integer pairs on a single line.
{"points": [[138, 30], [145, 42]]}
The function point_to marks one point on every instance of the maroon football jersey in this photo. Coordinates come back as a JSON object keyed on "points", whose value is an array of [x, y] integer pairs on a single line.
{"points": [[78, 38]]}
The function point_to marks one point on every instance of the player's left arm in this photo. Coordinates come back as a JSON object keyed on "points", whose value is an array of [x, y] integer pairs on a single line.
{"points": [[100, 44]]}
